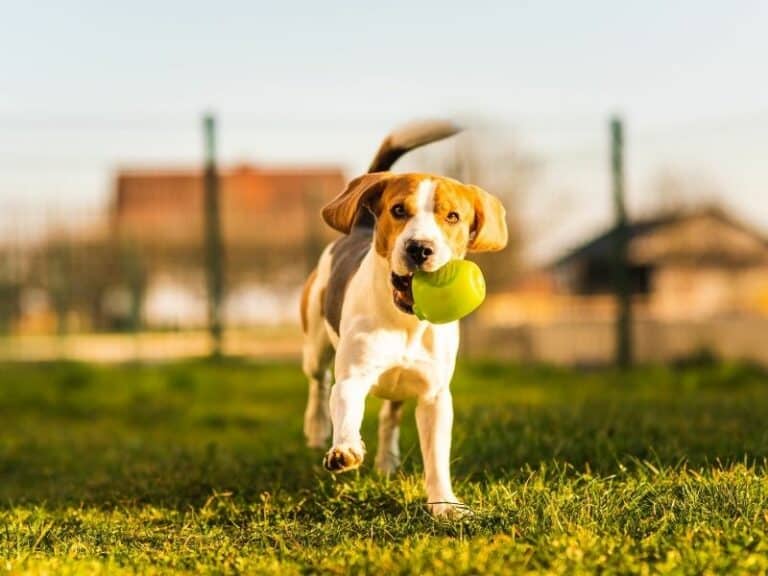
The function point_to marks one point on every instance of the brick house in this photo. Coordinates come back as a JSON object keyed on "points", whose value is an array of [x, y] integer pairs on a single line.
{"points": [[271, 229], [690, 265], [259, 206], [699, 281]]}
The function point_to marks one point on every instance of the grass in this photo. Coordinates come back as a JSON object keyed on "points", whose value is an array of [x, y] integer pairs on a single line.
{"points": [[200, 467]]}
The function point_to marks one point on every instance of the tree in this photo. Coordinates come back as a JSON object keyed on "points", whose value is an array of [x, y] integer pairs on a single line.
{"points": [[675, 191]]}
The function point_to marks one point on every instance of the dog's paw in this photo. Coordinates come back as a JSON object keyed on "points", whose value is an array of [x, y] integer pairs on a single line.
{"points": [[343, 458], [449, 510]]}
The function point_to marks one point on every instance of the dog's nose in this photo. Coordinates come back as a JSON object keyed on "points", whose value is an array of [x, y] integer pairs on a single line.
{"points": [[419, 251]]}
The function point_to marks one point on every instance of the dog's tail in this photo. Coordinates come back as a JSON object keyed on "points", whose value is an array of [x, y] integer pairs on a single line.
{"points": [[409, 137], [399, 142]]}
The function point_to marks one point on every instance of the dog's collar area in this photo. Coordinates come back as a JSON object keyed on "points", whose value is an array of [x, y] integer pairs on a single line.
{"points": [[401, 292]]}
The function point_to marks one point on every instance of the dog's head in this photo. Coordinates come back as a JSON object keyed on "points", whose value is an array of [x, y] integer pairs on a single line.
{"points": [[422, 222]]}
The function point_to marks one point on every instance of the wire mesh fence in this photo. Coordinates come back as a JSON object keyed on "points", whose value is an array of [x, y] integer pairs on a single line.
{"points": [[110, 239]]}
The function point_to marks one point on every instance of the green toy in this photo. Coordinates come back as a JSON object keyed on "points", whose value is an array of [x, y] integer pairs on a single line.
{"points": [[449, 293]]}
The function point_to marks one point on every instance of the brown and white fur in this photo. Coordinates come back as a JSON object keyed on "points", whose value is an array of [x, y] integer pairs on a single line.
{"points": [[357, 310]]}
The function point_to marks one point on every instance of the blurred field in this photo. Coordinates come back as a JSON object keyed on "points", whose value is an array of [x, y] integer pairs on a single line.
{"points": [[200, 467]]}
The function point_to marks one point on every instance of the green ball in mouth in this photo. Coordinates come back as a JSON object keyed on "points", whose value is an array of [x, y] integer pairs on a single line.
{"points": [[448, 294]]}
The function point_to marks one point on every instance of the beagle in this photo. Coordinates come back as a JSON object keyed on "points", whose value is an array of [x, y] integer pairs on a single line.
{"points": [[357, 310]]}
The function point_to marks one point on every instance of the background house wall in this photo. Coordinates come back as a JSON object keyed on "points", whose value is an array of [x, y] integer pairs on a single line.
{"points": [[705, 288]]}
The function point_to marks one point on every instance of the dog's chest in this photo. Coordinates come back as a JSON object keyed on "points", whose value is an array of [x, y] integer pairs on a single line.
{"points": [[414, 368], [405, 381]]}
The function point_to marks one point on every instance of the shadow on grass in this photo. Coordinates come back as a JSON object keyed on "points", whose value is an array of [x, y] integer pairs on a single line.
{"points": [[173, 435]]}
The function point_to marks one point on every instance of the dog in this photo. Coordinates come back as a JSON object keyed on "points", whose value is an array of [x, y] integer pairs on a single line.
{"points": [[357, 310]]}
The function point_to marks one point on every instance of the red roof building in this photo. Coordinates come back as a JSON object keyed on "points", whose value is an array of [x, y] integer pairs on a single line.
{"points": [[262, 206]]}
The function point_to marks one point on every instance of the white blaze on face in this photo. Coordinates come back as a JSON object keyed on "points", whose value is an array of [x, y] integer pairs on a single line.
{"points": [[422, 227]]}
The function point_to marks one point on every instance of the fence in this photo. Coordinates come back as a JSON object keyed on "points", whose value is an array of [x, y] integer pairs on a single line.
{"points": [[593, 343], [67, 273]]}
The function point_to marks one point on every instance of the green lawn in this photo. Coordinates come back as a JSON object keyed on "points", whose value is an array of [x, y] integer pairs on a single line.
{"points": [[200, 468]]}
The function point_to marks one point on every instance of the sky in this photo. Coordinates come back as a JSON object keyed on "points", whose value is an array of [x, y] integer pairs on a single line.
{"points": [[88, 87]]}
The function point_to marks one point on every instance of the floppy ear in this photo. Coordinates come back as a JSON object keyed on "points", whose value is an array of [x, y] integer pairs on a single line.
{"points": [[342, 212], [489, 232]]}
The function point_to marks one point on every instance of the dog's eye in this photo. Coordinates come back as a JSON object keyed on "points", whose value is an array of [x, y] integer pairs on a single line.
{"points": [[398, 211], [452, 217]]}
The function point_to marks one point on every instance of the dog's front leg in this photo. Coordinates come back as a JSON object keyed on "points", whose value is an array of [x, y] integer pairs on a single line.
{"points": [[347, 408], [434, 419]]}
